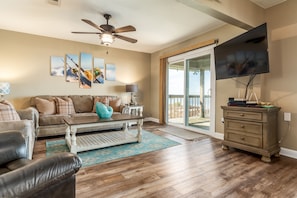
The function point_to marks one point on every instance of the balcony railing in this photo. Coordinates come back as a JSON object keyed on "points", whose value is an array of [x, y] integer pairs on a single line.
{"points": [[176, 106]]}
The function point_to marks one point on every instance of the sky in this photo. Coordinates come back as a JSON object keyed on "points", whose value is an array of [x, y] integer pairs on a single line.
{"points": [[176, 84]]}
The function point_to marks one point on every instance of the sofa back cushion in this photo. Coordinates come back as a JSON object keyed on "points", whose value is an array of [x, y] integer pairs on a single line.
{"points": [[103, 99], [115, 104], [82, 103], [64, 106], [44, 106], [8, 112]]}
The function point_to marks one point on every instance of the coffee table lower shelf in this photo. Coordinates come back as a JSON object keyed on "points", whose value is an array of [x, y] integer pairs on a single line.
{"points": [[101, 140]]}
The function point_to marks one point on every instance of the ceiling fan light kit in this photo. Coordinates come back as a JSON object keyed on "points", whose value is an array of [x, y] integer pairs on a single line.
{"points": [[108, 33], [106, 39]]}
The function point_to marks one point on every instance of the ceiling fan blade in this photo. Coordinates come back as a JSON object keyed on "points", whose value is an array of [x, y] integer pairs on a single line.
{"points": [[93, 24], [86, 32], [128, 28], [131, 40]]}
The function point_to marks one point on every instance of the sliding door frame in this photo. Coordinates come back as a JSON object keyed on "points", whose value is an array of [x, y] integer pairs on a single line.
{"points": [[184, 57]]}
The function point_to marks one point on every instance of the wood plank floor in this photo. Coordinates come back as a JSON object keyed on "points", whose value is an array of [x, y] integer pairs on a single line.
{"points": [[198, 168]]}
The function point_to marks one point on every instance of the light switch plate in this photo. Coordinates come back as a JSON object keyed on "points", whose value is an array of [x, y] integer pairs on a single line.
{"points": [[287, 116]]}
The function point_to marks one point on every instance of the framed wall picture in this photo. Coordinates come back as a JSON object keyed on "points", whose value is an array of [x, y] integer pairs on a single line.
{"points": [[98, 71], [86, 65], [110, 72], [57, 66], [72, 68]]}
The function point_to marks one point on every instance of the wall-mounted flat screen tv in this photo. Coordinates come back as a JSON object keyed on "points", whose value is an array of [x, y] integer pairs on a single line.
{"points": [[244, 55]]}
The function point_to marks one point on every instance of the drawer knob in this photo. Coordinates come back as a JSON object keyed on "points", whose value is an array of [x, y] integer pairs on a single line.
{"points": [[242, 126], [241, 114], [242, 138]]}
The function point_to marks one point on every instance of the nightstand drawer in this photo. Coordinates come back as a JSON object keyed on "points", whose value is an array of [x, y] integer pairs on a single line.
{"points": [[244, 127], [258, 116], [255, 141]]}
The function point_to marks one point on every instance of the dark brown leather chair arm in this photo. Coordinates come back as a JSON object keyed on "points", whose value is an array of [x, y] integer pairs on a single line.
{"points": [[52, 176]]}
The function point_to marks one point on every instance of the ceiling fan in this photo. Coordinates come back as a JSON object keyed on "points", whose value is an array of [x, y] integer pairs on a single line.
{"points": [[108, 32]]}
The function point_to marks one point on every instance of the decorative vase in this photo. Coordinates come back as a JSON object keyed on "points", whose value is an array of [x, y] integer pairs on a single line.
{"points": [[103, 111]]}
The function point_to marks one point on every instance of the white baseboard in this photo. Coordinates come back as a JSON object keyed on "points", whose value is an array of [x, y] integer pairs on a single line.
{"points": [[288, 152], [218, 135], [151, 119]]}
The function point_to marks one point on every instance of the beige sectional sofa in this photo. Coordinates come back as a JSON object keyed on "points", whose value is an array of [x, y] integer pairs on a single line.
{"points": [[53, 109]]}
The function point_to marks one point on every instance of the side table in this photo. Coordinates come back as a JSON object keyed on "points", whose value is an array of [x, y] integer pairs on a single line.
{"points": [[135, 110]]}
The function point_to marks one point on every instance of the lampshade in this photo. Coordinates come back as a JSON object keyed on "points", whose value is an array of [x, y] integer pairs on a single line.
{"points": [[106, 39], [4, 88], [131, 88]]}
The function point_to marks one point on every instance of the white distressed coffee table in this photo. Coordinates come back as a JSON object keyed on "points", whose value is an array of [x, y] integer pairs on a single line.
{"points": [[101, 139]]}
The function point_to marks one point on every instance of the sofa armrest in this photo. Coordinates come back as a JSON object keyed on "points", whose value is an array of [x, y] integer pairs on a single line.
{"points": [[26, 128], [35, 179], [30, 113]]}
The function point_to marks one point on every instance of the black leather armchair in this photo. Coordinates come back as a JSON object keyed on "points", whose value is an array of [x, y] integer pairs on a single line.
{"points": [[50, 177]]}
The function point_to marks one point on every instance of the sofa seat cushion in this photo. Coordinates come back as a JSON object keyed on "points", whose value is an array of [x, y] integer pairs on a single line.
{"points": [[4, 170], [19, 163], [82, 103], [83, 114], [56, 119]]}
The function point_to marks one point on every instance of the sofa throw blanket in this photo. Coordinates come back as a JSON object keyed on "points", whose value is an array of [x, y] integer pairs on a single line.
{"points": [[103, 111], [8, 112]]}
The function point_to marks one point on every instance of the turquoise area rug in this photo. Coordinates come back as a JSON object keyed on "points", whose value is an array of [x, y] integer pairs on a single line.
{"points": [[150, 142]]}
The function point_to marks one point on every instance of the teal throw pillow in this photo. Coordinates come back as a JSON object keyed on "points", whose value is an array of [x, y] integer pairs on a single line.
{"points": [[103, 111]]}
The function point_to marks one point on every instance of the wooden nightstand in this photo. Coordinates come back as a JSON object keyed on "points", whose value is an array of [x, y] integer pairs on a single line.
{"points": [[253, 129]]}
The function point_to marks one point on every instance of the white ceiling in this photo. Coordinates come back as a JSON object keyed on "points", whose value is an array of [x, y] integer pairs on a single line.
{"points": [[158, 23]]}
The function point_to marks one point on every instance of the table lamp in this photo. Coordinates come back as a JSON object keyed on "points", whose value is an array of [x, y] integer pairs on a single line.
{"points": [[132, 88], [4, 89]]}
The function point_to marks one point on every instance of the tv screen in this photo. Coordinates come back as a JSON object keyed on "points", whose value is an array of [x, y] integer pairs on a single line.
{"points": [[243, 55]]}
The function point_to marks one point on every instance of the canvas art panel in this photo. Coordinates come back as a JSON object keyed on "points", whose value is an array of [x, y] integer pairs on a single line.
{"points": [[86, 65], [72, 68], [110, 72], [98, 71], [57, 66]]}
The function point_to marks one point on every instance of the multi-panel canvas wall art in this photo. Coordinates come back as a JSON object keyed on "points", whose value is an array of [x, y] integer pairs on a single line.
{"points": [[110, 72], [57, 66], [85, 78], [98, 71], [84, 69], [72, 68]]}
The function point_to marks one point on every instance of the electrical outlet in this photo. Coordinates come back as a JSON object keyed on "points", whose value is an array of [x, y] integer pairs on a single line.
{"points": [[287, 116]]}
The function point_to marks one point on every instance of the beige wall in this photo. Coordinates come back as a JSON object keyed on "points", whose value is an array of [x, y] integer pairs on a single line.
{"points": [[280, 86], [25, 63]]}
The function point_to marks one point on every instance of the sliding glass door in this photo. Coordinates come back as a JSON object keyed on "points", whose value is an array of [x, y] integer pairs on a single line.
{"points": [[189, 86], [198, 92]]}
